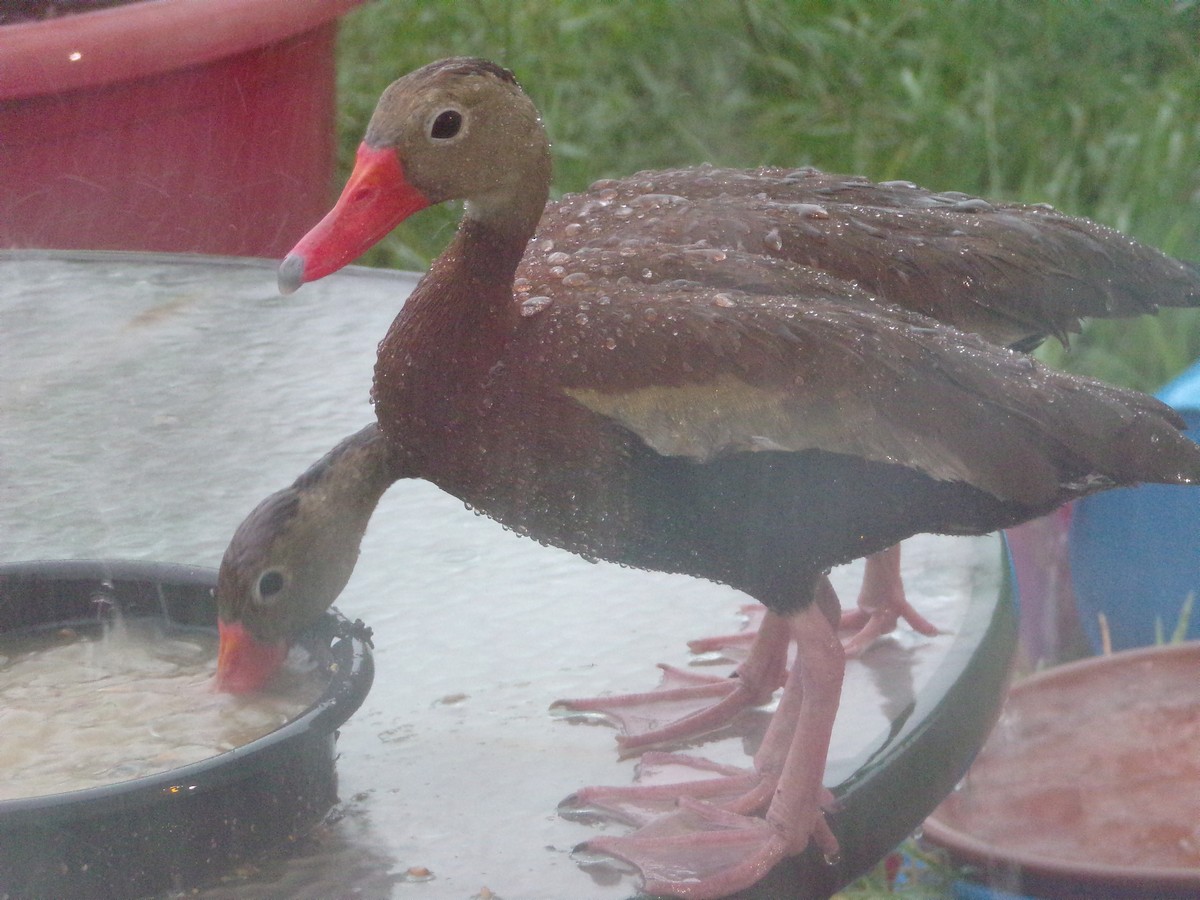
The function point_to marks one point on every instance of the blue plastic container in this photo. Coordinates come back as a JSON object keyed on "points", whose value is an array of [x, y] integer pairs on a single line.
{"points": [[1135, 552]]}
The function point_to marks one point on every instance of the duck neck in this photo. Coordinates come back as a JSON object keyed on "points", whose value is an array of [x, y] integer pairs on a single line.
{"points": [[360, 467], [435, 363], [461, 314]]}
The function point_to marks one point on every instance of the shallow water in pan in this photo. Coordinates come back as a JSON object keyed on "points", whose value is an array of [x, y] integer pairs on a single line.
{"points": [[79, 709], [146, 407], [1092, 766]]}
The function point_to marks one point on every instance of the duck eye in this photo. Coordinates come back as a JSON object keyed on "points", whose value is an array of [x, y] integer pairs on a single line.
{"points": [[269, 584], [446, 125]]}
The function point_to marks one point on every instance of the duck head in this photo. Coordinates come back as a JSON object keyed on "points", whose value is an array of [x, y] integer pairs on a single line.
{"points": [[458, 129], [292, 556]]}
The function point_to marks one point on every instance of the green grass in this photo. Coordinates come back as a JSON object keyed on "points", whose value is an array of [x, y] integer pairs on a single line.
{"points": [[1093, 107]]}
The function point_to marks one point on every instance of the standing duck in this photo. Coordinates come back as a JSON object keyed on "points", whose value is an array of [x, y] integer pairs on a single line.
{"points": [[679, 372]]}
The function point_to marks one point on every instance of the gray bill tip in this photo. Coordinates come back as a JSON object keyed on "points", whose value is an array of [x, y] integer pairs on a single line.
{"points": [[291, 274]]}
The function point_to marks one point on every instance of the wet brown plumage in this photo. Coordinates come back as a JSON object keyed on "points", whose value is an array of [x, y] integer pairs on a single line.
{"points": [[1012, 273]]}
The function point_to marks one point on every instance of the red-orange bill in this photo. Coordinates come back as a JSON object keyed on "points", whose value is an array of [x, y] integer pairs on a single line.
{"points": [[376, 199], [244, 663]]}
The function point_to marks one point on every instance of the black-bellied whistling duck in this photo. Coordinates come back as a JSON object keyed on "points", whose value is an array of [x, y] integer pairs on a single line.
{"points": [[680, 371], [294, 554]]}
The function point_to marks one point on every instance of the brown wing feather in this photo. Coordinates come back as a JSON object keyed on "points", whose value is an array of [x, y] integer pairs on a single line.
{"points": [[699, 371], [1008, 272]]}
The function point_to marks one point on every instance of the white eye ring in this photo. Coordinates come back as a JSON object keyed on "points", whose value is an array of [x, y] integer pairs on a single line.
{"points": [[447, 125], [268, 587]]}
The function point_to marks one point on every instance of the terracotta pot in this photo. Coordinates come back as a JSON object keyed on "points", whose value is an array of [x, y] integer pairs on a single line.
{"points": [[169, 125], [1088, 786]]}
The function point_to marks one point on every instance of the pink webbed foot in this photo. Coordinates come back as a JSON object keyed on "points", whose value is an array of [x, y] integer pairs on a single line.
{"points": [[881, 604], [687, 704], [699, 851], [661, 779], [711, 843]]}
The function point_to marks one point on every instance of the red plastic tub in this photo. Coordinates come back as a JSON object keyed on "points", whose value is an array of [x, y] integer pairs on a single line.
{"points": [[169, 125]]}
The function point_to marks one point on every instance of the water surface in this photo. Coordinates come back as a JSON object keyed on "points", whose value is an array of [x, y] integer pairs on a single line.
{"points": [[83, 708]]}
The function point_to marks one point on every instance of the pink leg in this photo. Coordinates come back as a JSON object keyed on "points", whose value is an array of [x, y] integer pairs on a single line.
{"points": [[705, 850], [800, 750], [881, 604], [686, 704]]}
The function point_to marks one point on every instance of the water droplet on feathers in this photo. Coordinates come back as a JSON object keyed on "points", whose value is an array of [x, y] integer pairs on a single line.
{"points": [[711, 255], [534, 305], [655, 200], [972, 204], [810, 210]]}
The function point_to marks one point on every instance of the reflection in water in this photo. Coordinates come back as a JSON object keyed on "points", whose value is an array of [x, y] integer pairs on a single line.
{"points": [[344, 856], [891, 666]]}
